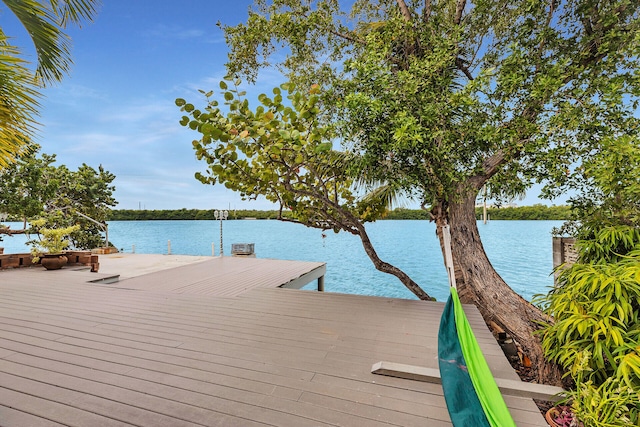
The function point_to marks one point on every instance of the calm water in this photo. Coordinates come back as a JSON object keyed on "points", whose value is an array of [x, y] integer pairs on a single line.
{"points": [[519, 250]]}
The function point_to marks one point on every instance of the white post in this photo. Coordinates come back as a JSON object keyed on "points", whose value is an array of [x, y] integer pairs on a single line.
{"points": [[213, 249], [168, 247], [484, 205], [448, 256], [133, 249]]}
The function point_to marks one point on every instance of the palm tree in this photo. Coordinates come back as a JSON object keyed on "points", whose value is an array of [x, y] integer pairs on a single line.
{"points": [[45, 22]]}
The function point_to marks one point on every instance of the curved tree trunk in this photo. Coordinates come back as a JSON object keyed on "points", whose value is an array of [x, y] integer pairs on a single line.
{"points": [[479, 284], [385, 267]]}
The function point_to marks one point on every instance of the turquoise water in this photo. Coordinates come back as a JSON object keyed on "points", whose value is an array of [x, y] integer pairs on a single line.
{"points": [[519, 250]]}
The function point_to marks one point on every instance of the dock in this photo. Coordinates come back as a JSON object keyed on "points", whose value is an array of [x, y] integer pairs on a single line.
{"points": [[183, 346]]}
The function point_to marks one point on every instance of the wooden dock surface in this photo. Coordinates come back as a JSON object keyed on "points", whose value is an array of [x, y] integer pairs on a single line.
{"points": [[228, 276], [83, 354]]}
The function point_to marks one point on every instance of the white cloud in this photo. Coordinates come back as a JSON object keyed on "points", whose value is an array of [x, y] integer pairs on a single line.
{"points": [[174, 32]]}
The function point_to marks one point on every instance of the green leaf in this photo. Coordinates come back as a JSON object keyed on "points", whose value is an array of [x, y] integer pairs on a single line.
{"points": [[284, 134], [325, 146]]}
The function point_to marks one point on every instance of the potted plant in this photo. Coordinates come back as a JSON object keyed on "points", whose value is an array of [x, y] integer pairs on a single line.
{"points": [[562, 416], [48, 249], [613, 403]]}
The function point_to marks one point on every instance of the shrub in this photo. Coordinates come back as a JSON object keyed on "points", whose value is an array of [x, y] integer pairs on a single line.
{"points": [[596, 327]]}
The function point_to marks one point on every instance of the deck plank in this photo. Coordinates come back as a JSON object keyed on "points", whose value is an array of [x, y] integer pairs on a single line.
{"points": [[223, 276], [184, 353], [11, 417]]}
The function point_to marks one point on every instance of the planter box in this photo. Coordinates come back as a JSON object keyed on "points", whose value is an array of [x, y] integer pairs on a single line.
{"points": [[73, 258], [15, 260]]}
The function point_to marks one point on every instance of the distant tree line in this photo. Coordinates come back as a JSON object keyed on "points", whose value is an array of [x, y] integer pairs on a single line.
{"points": [[186, 214], [535, 212]]}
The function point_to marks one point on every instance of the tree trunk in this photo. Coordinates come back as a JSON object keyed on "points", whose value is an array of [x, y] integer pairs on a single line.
{"points": [[479, 284], [385, 267]]}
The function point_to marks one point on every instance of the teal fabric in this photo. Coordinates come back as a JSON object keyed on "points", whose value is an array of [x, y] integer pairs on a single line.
{"points": [[465, 409], [485, 385]]}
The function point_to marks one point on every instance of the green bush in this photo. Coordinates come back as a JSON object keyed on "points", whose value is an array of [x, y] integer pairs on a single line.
{"points": [[595, 308], [614, 402]]}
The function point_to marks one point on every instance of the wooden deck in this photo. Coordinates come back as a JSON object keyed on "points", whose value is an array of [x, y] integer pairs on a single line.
{"points": [[229, 276], [84, 354]]}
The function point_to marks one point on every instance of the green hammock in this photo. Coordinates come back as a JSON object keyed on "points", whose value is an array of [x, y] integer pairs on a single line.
{"points": [[470, 391]]}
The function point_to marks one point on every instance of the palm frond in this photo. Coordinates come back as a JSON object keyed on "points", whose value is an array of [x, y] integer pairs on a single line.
{"points": [[52, 45], [18, 103], [74, 11], [392, 196], [45, 22]]}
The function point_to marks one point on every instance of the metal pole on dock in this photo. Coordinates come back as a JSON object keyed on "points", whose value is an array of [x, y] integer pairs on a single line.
{"points": [[221, 214]]}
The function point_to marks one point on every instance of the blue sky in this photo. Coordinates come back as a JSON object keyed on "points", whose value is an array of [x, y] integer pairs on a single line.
{"points": [[116, 108]]}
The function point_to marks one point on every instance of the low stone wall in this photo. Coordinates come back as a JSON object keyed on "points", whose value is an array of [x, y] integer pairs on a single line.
{"points": [[73, 258], [15, 260]]}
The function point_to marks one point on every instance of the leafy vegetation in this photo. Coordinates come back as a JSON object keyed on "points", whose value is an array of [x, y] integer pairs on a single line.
{"points": [[607, 188], [596, 307], [535, 212], [614, 402], [435, 100], [185, 214], [595, 333], [45, 22], [281, 151], [50, 240], [33, 187]]}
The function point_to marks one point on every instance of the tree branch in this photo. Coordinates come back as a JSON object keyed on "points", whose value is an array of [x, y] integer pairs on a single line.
{"points": [[426, 13], [462, 67], [490, 166], [406, 13], [390, 269], [335, 32], [459, 9], [346, 36], [9, 232]]}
